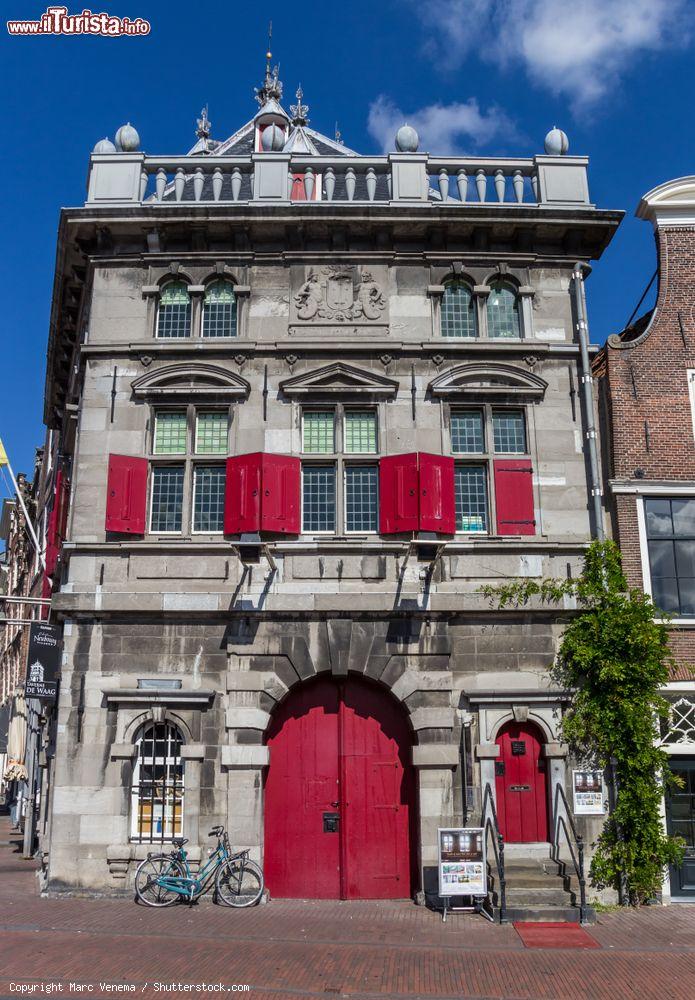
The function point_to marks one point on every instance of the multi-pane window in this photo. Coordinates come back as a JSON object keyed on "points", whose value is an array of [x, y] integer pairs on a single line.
{"points": [[458, 317], [170, 432], [470, 486], [670, 526], [211, 432], [342, 496], [174, 316], [188, 495], [360, 432], [509, 431], [361, 497], [503, 311], [318, 432], [219, 310], [318, 498], [467, 435], [158, 785], [487, 432], [167, 498]]}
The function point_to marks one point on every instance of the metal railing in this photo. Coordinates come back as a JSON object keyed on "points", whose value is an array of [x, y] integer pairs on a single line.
{"points": [[574, 840], [491, 830]]}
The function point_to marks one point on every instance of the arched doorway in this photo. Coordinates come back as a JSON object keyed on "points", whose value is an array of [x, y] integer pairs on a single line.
{"points": [[339, 794], [521, 784]]}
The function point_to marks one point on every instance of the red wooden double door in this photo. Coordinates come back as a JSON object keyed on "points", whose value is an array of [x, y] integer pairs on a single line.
{"points": [[339, 794]]}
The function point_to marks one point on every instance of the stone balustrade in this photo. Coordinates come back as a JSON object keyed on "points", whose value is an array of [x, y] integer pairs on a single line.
{"points": [[120, 178]]}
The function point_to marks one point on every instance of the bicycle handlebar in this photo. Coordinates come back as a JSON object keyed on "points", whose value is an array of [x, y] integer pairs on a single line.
{"points": [[216, 831]]}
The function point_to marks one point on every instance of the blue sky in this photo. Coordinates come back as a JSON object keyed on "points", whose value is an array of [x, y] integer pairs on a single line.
{"points": [[482, 76]]}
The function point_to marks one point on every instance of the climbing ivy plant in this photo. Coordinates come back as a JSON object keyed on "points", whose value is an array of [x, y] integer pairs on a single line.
{"points": [[614, 658]]}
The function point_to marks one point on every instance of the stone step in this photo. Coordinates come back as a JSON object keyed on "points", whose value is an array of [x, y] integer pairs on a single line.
{"points": [[549, 914], [537, 897]]}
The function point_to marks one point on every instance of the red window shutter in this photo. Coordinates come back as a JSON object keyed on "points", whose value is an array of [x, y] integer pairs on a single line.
{"points": [[514, 497], [437, 509], [398, 494], [126, 494], [242, 494], [280, 506], [55, 527]]}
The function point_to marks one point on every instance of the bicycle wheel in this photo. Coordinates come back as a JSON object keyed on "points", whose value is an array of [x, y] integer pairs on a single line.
{"points": [[147, 889], [239, 882]]}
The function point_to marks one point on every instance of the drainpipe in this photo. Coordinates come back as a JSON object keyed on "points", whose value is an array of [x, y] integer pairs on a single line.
{"points": [[582, 269]]}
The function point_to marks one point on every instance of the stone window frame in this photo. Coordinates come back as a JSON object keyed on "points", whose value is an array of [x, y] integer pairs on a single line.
{"points": [[339, 459], [152, 293], [190, 459], [481, 290]]}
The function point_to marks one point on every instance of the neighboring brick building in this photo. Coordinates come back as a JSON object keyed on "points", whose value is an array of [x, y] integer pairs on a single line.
{"points": [[646, 377], [370, 366]]}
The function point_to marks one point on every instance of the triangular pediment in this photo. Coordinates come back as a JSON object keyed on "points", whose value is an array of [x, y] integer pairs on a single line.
{"points": [[491, 380], [190, 381], [339, 379]]}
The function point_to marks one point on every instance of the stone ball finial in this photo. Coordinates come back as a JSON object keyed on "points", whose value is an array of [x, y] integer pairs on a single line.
{"points": [[556, 142], [127, 139], [272, 139], [104, 146], [407, 139]]}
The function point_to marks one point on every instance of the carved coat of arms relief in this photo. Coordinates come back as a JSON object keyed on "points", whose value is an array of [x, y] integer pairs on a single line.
{"points": [[331, 294]]}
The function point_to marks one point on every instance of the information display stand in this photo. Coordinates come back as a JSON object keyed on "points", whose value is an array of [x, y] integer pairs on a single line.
{"points": [[462, 868]]}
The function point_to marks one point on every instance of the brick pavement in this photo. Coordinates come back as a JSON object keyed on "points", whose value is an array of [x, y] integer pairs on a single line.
{"points": [[359, 950]]}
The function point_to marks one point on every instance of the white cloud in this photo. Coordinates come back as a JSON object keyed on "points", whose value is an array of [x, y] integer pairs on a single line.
{"points": [[444, 129], [578, 49]]}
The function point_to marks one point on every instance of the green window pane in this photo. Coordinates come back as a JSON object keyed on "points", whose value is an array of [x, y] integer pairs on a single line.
{"points": [[467, 432], [360, 432], [169, 433], [318, 437], [503, 312], [219, 310], [211, 433], [458, 311]]}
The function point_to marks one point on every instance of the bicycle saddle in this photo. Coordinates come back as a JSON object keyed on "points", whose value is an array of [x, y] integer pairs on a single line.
{"points": [[216, 831], [179, 841]]}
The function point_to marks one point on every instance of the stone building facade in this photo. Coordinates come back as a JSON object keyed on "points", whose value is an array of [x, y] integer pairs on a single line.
{"points": [[321, 399], [646, 377]]}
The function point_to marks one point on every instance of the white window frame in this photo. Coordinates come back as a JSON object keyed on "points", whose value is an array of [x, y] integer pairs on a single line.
{"points": [[691, 393]]}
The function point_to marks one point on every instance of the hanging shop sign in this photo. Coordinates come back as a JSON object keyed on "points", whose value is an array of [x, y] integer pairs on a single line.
{"points": [[588, 791], [462, 866], [43, 662]]}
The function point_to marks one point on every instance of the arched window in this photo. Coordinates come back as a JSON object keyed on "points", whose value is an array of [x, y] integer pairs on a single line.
{"points": [[219, 310], [157, 792], [174, 318], [503, 311], [458, 310]]}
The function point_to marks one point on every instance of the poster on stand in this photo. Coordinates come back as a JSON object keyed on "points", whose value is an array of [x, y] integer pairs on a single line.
{"points": [[588, 791], [462, 865]]}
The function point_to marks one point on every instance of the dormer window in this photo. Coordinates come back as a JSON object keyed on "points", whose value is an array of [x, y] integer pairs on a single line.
{"points": [[458, 310], [220, 310], [174, 315], [503, 311]]}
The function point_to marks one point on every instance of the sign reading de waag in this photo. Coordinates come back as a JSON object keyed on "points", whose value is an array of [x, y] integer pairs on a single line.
{"points": [[43, 662]]}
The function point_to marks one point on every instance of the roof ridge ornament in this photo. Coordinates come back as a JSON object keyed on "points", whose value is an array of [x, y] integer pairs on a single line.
{"points": [[300, 111], [204, 128], [272, 85]]}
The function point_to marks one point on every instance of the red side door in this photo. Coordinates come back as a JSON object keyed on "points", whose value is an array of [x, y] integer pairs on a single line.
{"points": [[377, 796], [520, 784], [301, 860]]}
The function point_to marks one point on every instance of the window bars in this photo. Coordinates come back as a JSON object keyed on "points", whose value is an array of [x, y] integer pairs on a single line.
{"points": [[220, 310], [158, 785], [174, 317]]}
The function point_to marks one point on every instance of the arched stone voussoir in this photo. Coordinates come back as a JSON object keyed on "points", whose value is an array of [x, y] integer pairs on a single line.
{"points": [[432, 718], [245, 717], [426, 680], [266, 681]]}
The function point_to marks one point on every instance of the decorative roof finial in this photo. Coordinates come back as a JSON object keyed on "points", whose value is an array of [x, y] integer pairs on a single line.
{"points": [[204, 125], [299, 111], [272, 86], [338, 134]]}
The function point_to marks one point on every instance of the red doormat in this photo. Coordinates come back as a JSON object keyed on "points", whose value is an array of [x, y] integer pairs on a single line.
{"points": [[554, 935]]}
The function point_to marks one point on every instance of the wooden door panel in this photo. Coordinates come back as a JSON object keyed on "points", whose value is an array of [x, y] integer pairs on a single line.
{"points": [[520, 784]]}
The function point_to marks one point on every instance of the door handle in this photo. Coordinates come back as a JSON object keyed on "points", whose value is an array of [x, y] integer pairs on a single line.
{"points": [[335, 804]]}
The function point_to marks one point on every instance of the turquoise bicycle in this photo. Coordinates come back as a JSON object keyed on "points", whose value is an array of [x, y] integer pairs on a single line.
{"points": [[165, 879]]}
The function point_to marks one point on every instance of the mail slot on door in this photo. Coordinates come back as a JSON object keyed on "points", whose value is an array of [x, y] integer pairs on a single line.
{"points": [[519, 788], [330, 822]]}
